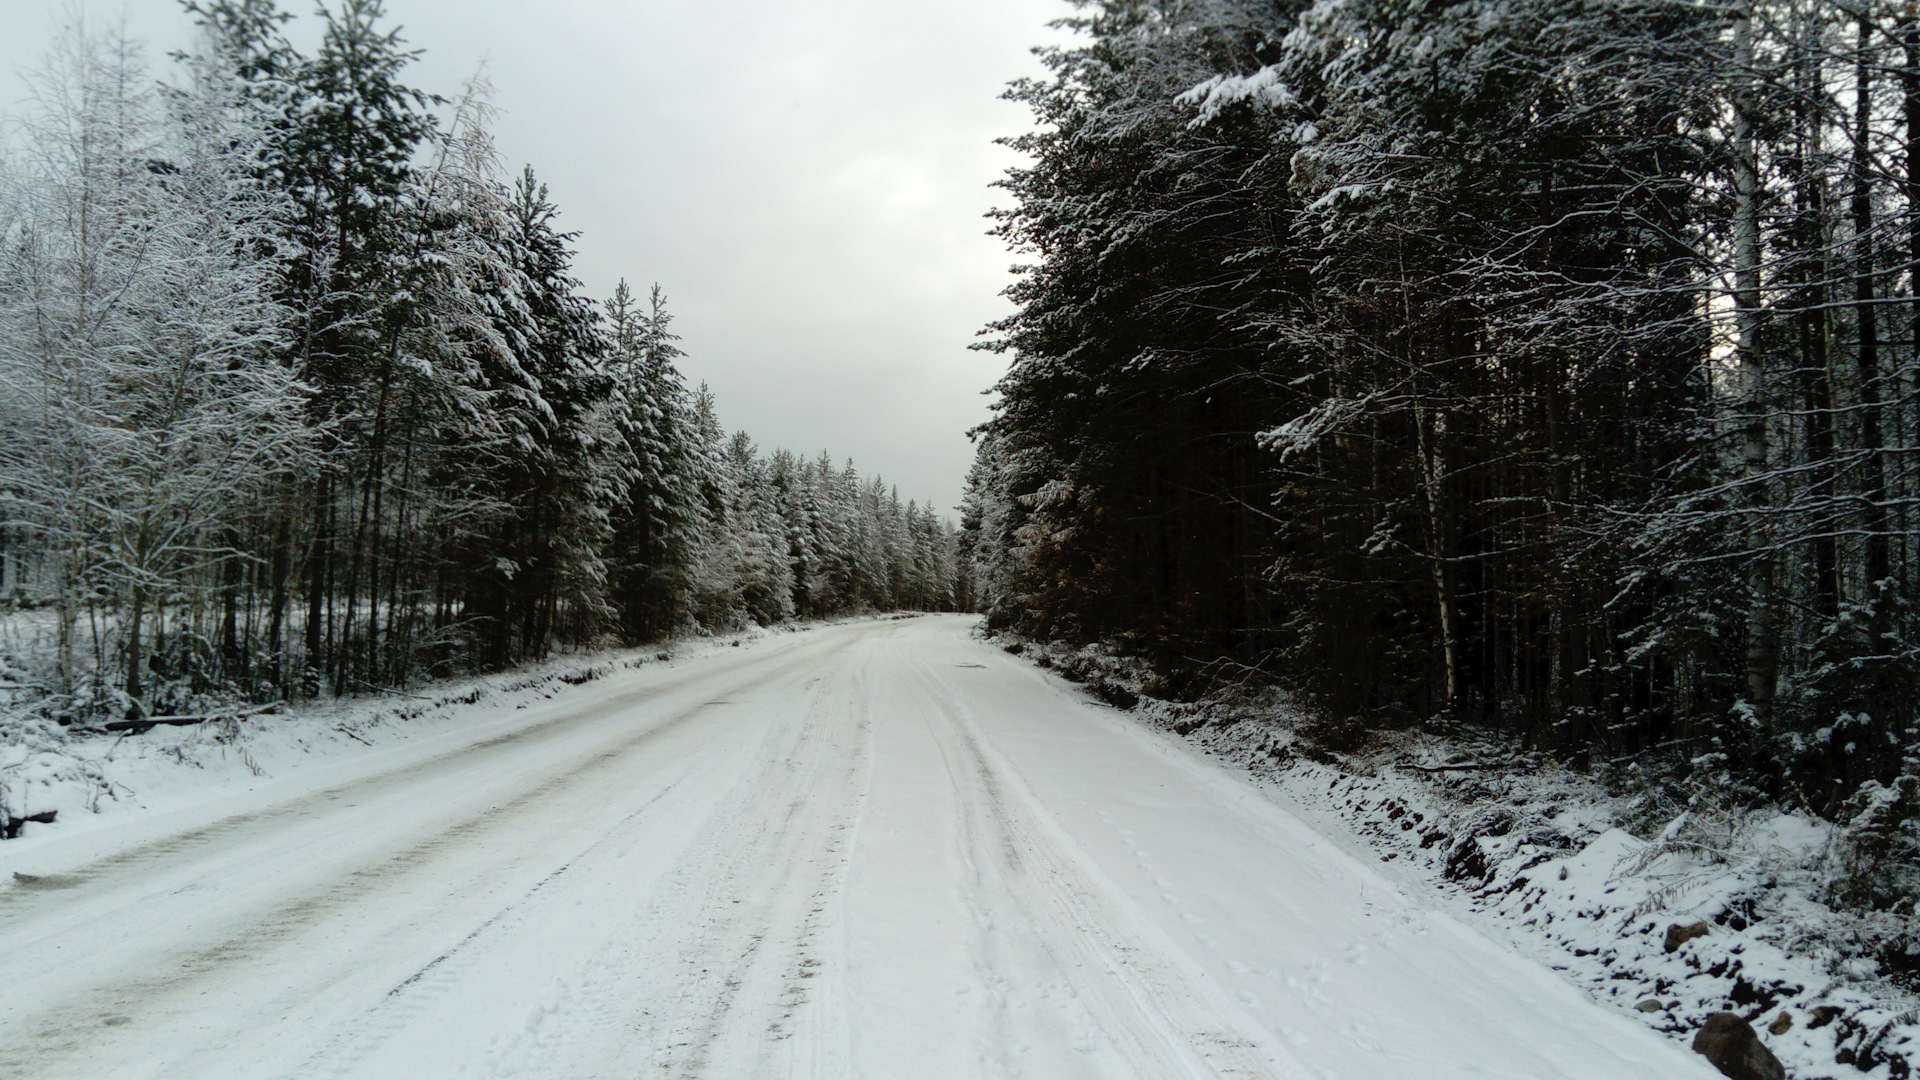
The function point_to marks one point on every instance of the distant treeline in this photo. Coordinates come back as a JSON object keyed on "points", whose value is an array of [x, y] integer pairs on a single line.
{"points": [[298, 395], [1544, 366]]}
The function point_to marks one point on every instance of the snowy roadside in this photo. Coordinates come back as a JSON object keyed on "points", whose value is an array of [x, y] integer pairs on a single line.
{"points": [[1670, 920], [56, 780]]}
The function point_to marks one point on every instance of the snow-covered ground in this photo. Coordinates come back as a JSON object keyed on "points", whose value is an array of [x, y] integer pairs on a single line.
{"points": [[878, 849], [85, 780], [1535, 855]]}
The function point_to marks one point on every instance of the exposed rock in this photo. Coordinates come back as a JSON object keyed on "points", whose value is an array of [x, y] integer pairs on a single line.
{"points": [[10, 826], [1651, 1005], [1825, 1014], [1679, 934], [1729, 1043], [1781, 1023]]}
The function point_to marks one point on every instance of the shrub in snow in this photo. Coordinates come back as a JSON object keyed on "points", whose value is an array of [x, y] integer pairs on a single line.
{"points": [[1880, 845]]}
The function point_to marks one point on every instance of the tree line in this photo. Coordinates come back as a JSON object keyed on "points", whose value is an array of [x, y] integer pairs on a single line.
{"points": [[299, 395], [1544, 367]]}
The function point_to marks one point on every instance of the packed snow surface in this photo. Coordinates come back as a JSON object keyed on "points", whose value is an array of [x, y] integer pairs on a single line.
{"points": [[880, 849]]}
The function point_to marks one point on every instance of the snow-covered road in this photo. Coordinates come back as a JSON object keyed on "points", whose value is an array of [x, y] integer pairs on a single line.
{"points": [[881, 849]]}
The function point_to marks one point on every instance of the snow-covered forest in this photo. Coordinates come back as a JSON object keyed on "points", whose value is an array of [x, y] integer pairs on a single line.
{"points": [[298, 395], [1448, 536], [1543, 368]]}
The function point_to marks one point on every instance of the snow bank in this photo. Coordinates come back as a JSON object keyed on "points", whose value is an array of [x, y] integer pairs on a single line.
{"points": [[55, 778]]}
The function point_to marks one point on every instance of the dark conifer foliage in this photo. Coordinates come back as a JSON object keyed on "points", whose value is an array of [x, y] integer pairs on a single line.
{"points": [[302, 396], [1545, 367]]}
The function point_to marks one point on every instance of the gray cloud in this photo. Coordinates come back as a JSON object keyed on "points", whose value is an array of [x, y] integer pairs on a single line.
{"points": [[807, 180]]}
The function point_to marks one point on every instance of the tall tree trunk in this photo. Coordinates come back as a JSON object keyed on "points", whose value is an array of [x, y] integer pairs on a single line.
{"points": [[66, 614], [136, 618], [230, 582], [345, 668], [1874, 481], [319, 570], [1431, 475], [1910, 112], [1763, 646], [361, 557], [400, 564], [1815, 334], [279, 569]]}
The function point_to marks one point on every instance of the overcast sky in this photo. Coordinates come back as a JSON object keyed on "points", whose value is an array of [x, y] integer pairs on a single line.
{"points": [[806, 178]]}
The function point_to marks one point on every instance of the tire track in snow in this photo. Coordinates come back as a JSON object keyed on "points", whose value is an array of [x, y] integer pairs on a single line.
{"points": [[20, 906], [1162, 1022], [52, 1033], [722, 971], [764, 1018], [441, 974]]}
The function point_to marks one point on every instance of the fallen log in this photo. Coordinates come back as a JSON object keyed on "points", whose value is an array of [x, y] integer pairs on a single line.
{"points": [[148, 723]]}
